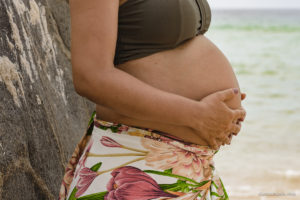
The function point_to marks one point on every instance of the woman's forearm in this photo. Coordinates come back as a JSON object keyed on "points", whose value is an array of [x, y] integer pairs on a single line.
{"points": [[131, 97], [183, 132]]}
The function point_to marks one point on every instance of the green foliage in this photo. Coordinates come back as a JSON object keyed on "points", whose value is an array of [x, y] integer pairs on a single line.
{"points": [[96, 167]]}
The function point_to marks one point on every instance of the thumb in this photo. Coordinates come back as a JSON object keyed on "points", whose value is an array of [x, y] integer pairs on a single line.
{"points": [[228, 94]]}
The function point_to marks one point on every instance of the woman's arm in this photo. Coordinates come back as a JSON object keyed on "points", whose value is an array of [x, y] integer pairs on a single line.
{"points": [[183, 132], [186, 133], [93, 41]]}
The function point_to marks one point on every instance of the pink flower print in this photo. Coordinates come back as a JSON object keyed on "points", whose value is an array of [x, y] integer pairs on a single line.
{"points": [[71, 167], [108, 142], [130, 183], [185, 160], [83, 158], [86, 177]]}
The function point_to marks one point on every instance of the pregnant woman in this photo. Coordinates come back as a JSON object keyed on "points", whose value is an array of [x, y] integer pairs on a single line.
{"points": [[166, 100]]}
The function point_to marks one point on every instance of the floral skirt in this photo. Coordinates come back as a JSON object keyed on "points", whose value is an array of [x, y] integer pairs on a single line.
{"points": [[119, 162]]}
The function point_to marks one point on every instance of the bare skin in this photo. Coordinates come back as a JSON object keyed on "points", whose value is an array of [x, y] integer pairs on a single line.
{"points": [[183, 91], [194, 69]]}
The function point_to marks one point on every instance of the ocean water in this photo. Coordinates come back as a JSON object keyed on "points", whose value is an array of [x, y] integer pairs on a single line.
{"points": [[263, 46]]}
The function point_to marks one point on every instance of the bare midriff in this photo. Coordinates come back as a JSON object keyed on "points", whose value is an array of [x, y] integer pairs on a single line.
{"points": [[193, 69]]}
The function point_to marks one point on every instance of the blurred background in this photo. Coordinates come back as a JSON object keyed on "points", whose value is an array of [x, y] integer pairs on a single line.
{"points": [[42, 117], [261, 39]]}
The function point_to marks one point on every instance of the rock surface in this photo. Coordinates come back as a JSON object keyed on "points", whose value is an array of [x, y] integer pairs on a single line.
{"points": [[41, 116]]}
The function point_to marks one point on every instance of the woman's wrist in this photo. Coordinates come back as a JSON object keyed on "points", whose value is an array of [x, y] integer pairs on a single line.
{"points": [[192, 114]]}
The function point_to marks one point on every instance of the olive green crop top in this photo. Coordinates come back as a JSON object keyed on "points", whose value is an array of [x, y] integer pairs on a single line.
{"points": [[149, 26]]}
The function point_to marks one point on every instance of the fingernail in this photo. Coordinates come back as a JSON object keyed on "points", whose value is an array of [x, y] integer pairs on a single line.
{"points": [[236, 91]]}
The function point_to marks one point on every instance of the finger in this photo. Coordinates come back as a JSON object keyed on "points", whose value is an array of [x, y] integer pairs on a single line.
{"points": [[230, 138], [235, 128], [239, 115], [220, 141], [214, 144], [228, 94], [228, 141], [224, 140], [234, 134], [243, 96], [238, 121], [223, 143]]}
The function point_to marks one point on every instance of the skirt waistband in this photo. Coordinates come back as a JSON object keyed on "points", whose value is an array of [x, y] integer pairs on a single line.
{"points": [[120, 128]]}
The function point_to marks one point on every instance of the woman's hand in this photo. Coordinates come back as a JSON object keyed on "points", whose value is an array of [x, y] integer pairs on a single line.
{"points": [[243, 96], [214, 121]]}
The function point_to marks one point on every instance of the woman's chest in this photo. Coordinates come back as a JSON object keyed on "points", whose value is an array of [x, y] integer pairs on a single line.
{"points": [[162, 22]]}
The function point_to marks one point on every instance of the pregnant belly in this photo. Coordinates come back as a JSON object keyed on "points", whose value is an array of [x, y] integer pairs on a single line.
{"points": [[193, 69]]}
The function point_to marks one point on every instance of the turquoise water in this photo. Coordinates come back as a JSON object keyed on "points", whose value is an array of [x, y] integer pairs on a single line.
{"points": [[264, 50]]}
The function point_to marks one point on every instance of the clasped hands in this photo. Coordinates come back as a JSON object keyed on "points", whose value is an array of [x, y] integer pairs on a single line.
{"points": [[215, 122]]}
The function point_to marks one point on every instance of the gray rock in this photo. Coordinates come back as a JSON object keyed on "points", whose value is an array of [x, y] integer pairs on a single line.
{"points": [[41, 116]]}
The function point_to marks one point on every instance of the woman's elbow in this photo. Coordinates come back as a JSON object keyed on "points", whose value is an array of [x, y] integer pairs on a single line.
{"points": [[88, 77], [79, 86], [81, 79]]}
